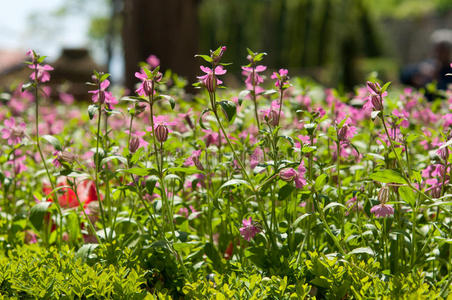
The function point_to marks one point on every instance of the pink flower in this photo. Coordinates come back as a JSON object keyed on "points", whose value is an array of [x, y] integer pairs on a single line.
{"points": [[194, 159], [300, 181], [67, 98], [12, 132], [297, 176], [248, 72], [210, 80], [280, 77], [153, 61], [41, 72], [102, 96], [147, 84], [256, 157], [382, 210], [248, 230]]}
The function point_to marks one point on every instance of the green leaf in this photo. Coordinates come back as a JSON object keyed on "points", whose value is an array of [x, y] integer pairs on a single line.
{"points": [[388, 176], [234, 182], [320, 182], [37, 214], [362, 250], [229, 109], [285, 191], [333, 204], [92, 109], [205, 57], [53, 141], [299, 219], [201, 123], [385, 87], [105, 76], [242, 95], [140, 171], [407, 195], [85, 251], [110, 158]]}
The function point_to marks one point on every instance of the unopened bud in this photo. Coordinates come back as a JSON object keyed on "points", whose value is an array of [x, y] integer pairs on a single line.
{"points": [[383, 194], [68, 157], [148, 87], [189, 121], [161, 133], [210, 83], [101, 97], [287, 174], [134, 144], [216, 59], [443, 153], [342, 133], [158, 77], [374, 88], [377, 103], [273, 118]]}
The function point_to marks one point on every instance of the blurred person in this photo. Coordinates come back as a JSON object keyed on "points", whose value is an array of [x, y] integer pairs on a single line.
{"points": [[435, 68]]}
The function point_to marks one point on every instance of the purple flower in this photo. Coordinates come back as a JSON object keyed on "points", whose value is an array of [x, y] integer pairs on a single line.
{"points": [[13, 132], [102, 96], [147, 84], [382, 210], [248, 72], [40, 72], [210, 80], [153, 61], [281, 78], [248, 229], [290, 174]]}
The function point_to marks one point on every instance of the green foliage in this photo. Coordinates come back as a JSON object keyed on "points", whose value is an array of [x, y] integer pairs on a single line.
{"points": [[35, 272]]}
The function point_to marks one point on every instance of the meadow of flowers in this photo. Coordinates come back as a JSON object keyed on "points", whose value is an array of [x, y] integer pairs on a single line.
{"points": [[282, 190]]}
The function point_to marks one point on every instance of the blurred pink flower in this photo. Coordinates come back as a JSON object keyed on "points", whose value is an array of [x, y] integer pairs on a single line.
{"points": [[382, 210], [248, 230], [13, 132]]}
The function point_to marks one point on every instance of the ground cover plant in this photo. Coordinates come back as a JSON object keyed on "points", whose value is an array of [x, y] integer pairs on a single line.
{"points": [[284, 189]]}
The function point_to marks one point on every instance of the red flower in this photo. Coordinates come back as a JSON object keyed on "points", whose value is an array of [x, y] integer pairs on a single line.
{"points": [[86, 191]]}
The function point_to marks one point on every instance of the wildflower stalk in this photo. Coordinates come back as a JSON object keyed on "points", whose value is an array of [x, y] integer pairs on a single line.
{"points": [[404, 175], [242, 167], [253, 96], [96, 167], [38, 146]]}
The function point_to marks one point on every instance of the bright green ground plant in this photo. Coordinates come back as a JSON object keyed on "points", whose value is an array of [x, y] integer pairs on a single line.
{"points": [[282, 190]]}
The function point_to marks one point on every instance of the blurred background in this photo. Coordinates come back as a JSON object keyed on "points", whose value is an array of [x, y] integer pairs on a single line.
{"points": [[335, 42]]}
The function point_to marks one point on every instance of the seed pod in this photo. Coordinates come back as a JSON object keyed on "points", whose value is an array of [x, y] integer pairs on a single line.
{"points": [[68, 157], [161, 133], [134, 144], [383, 194]]}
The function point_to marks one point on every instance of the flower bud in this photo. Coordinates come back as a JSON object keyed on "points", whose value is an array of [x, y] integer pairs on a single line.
{"points": [[216, 58], [342, 133], [374, 88], [68, 157], [210, 83], [189, 121], [287, 174], [158, 77], [161, 133], [273, 118], [148, 87], [383, 194], [134, 144], [101, 97], [443, 153], [377, 103], [436, 191]]}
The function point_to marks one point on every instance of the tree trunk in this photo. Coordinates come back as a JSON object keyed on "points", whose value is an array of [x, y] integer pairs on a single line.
{"points": [[167, 29]]}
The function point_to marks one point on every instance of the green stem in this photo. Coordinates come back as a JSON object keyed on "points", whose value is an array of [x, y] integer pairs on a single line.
{"points": [[96, 169]]}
